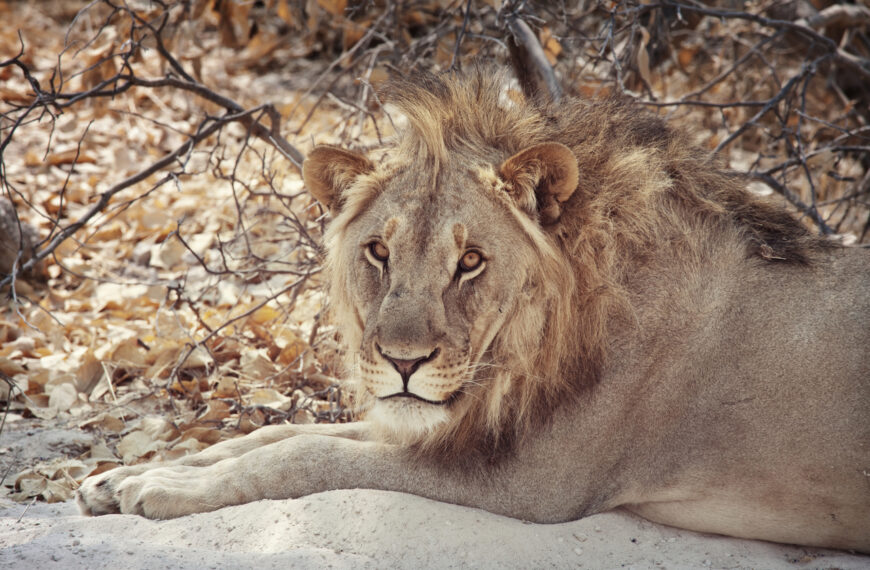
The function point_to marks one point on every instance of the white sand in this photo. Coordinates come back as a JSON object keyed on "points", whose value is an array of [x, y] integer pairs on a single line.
{"points": [[374, 529]]}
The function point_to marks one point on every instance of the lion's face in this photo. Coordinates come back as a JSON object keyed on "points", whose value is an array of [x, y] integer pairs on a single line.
{"points": [[432, 275], [428, 270]]}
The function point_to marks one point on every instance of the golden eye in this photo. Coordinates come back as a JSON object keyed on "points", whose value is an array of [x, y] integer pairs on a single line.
{"points": [[470, 261], [379, 251]]}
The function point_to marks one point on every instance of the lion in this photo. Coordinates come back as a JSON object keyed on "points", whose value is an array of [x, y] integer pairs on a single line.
{"points": [[555, 310]]}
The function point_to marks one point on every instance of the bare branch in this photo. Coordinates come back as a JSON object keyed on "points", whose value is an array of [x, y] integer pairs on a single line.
{"points": [[534, 72]]}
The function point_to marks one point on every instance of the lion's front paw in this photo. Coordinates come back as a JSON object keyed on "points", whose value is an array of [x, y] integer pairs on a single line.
{"points": [[98, 495], [155, 493], [168, 492]]}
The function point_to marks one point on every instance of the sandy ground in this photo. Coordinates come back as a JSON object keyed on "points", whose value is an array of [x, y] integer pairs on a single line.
{"points": [[373, 529], [353, 529]]}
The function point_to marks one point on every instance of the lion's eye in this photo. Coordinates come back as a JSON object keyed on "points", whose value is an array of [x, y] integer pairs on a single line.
{"points": [[470, 261], [379, 251]]}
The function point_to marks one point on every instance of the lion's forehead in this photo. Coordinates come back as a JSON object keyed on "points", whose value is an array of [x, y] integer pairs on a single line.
{"points": [[463, 177], [434, 219], [419, 238]]}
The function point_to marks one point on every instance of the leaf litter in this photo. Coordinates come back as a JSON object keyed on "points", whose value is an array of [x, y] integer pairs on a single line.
{"points": [[188, 312]]}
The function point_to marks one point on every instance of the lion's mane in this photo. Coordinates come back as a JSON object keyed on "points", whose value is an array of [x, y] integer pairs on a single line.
{"points": [[642, 184]]}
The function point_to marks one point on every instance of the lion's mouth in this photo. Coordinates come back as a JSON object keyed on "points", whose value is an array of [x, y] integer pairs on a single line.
{"points": [[413, 396]]}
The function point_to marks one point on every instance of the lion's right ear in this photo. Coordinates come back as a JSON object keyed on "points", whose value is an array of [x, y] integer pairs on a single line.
{"points": [[328, 171]]}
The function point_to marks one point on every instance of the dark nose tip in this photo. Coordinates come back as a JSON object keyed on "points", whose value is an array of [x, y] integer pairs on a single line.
{"points": [[406, 367]]}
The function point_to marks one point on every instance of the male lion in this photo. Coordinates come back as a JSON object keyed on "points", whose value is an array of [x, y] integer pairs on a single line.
{"points": [[556, 310]]}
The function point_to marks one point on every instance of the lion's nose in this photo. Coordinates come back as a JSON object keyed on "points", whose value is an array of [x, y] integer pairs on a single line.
{"points": [[406, 367]]}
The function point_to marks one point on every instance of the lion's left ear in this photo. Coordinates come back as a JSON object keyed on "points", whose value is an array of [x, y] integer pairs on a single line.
{"points": [[540, 178], [328, 171]]}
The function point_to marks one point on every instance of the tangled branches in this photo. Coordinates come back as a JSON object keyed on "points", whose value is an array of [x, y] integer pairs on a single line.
{"points": [[780, 93]]}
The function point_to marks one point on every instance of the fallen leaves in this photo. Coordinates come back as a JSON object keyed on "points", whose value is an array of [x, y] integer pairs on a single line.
{"points": [[186, 312], [51, 482]]}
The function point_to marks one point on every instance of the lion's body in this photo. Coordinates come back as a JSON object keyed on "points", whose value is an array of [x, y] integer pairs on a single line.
{"points": [[554, 312]]}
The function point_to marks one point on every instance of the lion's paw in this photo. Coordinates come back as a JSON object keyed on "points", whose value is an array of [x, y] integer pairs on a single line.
{"points": [[165, 493], [155, 493], [98, 495]]}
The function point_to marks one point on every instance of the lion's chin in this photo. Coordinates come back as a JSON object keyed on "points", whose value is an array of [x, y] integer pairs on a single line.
{"points": [[405, 420]]}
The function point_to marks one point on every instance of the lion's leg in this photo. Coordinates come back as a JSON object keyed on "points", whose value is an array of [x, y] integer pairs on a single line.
{"points": [[308, 464], [98, 494], [267, 435]]}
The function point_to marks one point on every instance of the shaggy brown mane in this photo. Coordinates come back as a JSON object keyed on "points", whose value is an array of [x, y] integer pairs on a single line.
{"points": [[476, 113], [642, 184]]}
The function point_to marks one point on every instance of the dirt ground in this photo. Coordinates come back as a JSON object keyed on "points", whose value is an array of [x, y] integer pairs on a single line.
{"points": [[374, 529]]}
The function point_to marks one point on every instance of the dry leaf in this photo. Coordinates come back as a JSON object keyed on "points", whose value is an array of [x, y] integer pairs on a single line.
{"points": [[34, 485], [182, 448], [686, 54], [53, 482], [265, 314], [303, 417], [214, 412], [89, 374], [100, 453], [102, 467], [11, 367], [334, 7], [167, 254], [62, 397], [226, 387], [158, 428], [552, 47], [256, 364], [107, 421], [137, 445], [271, 399], [206, 435], [250, 421]]}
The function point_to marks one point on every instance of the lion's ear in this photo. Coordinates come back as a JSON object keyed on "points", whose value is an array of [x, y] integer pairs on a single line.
{"points": [[328, 171], [541, 177]]}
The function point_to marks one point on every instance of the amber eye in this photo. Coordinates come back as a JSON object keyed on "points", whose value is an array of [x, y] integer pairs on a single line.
{"points": [[470, 261], [379, 251]]}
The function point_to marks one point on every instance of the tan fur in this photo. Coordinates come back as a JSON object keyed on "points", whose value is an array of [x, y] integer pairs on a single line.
{"points": [[640, 332]]}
